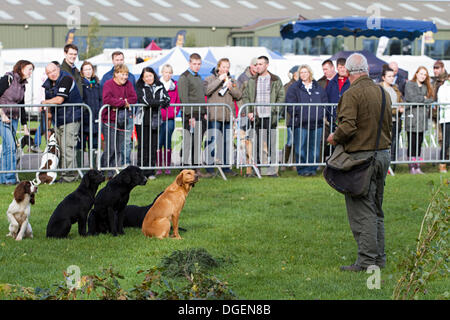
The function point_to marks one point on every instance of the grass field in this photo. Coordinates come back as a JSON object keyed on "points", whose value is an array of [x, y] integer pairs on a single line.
{"points": [[286, 237]]}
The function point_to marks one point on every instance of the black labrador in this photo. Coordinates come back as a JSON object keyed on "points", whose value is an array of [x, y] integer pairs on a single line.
{"points": [[75, 207], [134, 215], [107, 214]]}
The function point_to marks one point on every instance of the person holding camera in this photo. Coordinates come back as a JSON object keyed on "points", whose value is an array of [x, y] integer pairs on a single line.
{"points": [[222, 89]]}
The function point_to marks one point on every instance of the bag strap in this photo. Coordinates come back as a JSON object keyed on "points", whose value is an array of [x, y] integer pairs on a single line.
{"points": [[380, 122]]}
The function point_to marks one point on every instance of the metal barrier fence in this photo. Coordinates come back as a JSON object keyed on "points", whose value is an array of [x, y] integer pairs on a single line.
{"points": [[19, 125], [295, 134], [205, 133], [421, 134]]}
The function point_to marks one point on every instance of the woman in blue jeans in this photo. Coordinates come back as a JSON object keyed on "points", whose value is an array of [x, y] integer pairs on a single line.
{"points": [[308, 120], [12, 91]]}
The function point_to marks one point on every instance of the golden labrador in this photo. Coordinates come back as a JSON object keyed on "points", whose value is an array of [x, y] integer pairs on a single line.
{"points": [[168, 206]]}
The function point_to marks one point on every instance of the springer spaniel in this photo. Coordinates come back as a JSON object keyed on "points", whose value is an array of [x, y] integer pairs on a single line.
{"points": [[49, 160], [19, 211]]}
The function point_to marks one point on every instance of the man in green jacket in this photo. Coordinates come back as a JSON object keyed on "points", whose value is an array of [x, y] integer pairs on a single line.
{"points": [[358, 114], [191, 90], [264, 88]]}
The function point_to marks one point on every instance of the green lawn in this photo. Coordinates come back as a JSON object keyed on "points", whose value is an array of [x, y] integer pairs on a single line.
{"points": [[286, 237]]}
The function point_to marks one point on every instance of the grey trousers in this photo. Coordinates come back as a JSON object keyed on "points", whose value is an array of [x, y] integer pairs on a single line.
{"points": [[67, 137], [365, 214]]}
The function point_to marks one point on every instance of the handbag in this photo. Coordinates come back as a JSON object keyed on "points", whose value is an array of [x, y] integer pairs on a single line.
{"points": [[352, 176]]}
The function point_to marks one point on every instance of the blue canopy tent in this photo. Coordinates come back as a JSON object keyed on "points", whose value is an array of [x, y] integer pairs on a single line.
{"points": [[357, 26]]}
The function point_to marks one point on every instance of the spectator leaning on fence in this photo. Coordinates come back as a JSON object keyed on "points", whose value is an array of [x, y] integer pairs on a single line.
{"points": [[60, 88], [399, 80], [68, 65], [222, 89], [92, 96], [359, 112], [387, 82], [417, 90], [151, 92], [118, 93], [118, 58], [12, 91], [191, 90], [444, 121], [308, 120], [263, 88], [168, 114]]}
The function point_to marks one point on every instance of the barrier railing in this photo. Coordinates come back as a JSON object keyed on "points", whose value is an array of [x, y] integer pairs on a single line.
{"points": [[17, 137], [421, 134], [302, 139], [203, 139]]}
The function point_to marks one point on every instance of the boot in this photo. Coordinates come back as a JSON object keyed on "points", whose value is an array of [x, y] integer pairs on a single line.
{"points": [[168, 160], [418, 171], [159, 162], [412, 166]]}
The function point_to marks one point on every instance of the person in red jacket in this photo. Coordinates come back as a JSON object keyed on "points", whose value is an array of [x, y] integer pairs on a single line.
{"points": [[118, 93]]}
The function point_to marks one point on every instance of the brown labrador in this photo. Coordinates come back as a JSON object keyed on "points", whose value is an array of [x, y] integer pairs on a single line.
{"points": [[168, 206]]}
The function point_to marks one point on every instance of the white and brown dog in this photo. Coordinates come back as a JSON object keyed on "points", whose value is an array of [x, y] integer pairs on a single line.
{"points": [[49, 160], [18, 213]]}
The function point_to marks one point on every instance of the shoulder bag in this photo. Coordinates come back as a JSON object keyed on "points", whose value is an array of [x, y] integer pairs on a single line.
{"points": [[350, 176]]}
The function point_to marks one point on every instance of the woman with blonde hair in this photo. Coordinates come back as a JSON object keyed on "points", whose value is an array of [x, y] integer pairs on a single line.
{"points": [[418, 90], [307, 121]]}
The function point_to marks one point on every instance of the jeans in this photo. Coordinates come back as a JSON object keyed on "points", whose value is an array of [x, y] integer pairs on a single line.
{"points": [[125, 151], [307, 148], [165, 133], [114, 142], [8, 160], [224, 128]]}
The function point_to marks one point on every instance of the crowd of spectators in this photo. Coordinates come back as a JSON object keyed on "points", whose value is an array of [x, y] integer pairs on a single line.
{"points": [[154, 125]]}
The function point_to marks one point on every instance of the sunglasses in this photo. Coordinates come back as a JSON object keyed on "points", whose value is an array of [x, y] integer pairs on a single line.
{"points": [[436, 67]]}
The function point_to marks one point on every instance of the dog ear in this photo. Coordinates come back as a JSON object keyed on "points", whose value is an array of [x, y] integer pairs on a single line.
{"points": [[32, 198], [179, 179], [19, 192]]}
